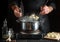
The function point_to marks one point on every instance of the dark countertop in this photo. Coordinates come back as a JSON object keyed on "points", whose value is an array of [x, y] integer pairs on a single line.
{"points": [[30, 38], [41, 40]]}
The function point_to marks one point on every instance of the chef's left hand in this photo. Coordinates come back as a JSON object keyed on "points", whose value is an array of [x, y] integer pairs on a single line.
{"points": [[46, 10], [17, 11]]}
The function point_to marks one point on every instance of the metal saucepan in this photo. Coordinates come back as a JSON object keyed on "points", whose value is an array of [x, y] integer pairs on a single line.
{"points": [[29, 24]]}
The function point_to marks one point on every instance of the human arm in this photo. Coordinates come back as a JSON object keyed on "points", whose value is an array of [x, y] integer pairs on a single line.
{"points": [[46, 9], [14, 5]]}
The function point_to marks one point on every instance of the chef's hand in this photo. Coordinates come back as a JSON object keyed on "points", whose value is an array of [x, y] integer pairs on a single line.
{"points": [[17, 11], [46, 10]]}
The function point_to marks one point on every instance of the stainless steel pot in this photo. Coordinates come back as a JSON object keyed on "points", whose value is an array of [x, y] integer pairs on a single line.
{"points": [[29, 24], [35, 25]]}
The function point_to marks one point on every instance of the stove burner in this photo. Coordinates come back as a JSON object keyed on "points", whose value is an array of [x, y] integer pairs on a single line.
{"points": [[31, 32]]}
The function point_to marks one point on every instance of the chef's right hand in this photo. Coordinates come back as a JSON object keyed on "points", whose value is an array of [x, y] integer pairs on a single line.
{"points": [[17, 11]]}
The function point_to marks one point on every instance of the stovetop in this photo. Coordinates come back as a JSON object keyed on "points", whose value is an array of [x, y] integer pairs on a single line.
{"points": [[19, 36], [30, 36]]}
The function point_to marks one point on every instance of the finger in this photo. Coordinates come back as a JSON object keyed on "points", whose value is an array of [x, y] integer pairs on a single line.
{"points": [[20, 10], [41, 8], [20, 14], [15, 11], [47, 11], [43, 12]]}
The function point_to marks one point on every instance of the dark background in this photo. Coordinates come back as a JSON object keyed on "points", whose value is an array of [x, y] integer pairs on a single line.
{"points": [[54, 18]]}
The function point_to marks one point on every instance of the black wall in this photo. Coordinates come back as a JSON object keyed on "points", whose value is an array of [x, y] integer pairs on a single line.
{"points": [[55, 19]]}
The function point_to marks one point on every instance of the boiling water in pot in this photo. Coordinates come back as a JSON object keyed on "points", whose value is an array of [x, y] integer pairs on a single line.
{"points": [[29, 23]]}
